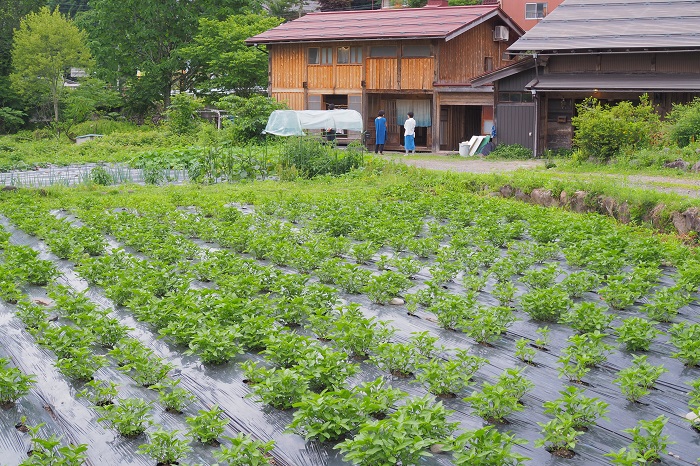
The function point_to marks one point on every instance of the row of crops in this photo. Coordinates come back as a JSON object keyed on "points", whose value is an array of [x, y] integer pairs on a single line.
{"points": [[385, 324]]}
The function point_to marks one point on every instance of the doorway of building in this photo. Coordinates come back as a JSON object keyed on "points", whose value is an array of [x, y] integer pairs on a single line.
{"points": [[458, 123]]}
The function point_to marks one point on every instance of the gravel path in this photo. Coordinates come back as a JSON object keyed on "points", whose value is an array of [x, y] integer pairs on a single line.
{"points": [[689, 187]]}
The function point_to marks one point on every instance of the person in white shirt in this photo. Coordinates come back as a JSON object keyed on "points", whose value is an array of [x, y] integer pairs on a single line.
{"points": [[410, 134]]}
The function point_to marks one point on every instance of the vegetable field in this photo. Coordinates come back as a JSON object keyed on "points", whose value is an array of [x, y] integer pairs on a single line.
{"points": [[369, 320]]}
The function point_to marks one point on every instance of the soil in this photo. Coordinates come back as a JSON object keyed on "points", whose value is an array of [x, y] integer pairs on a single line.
{"points": [[563, 453]]}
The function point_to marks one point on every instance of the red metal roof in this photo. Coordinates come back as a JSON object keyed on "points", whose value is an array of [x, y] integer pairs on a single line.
{"points": [[399, 23]]}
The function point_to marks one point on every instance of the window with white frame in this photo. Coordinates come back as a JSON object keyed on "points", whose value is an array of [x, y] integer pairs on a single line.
{"points": [[349, 55], [535, 10]]}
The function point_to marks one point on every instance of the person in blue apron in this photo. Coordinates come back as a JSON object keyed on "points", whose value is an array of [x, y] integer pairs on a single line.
{"points": [[409, 134], [380, 129]]}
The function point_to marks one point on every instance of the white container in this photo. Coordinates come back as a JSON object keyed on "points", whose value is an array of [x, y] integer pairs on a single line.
{"points": [[464, 149]]}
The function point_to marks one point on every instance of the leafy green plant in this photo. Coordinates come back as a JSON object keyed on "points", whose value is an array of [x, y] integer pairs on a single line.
{"points": [[130, 416], [577, 283], [100, 176], [406, 266], [363, 252], [487, 447], [400, 359], [504, 292], [542, 341], [245, 451], [559, 436], [99, 392], [636, 333], [489, 323], [494, 402], [207, 425], [165, 447], [402, 437], [49, 451], [524, 352], [686, 338], [357, 334], [352, 278], [13, 383], [636, 380], [588, 317], [544, 277], [546, 305], [619, 292], [377, 397], [666, 303], [173, 398], [81, 365], [381, 288], [215, 344], [645, 447], [280, 388], [454, 311], [448, 378], [328, 415], [582, 410]]}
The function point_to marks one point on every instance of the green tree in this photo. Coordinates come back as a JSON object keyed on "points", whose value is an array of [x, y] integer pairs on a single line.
{"points": [[92, 96], [44, 49], [11, 12], [137, 43], [223, 61]]}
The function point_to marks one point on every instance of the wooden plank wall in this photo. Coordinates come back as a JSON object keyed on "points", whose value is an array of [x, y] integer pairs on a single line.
{"points": [[288, 63], [462, 58], [382, 73], [348, 77], [295, 100], [417, 73]]}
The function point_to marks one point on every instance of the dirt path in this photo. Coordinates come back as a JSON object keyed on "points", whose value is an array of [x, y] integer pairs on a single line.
{"points": [[666, 184]]}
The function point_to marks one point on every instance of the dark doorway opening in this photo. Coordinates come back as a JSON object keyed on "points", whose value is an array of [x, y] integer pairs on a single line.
{"points": [[338, 100]]}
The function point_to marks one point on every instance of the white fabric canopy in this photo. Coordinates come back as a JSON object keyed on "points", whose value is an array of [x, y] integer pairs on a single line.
{"points": [[293, 122]]}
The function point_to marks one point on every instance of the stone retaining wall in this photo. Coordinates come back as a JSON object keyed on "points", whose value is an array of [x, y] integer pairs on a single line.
{"points": [[681, 223]]}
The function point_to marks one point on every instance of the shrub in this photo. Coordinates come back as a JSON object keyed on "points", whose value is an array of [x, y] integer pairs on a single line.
{"points": [[251, 114], [310, 157], [13, 383], [245, 451], [603, 131], [165, 447], [683, 123], [512, 151], [487, 447], [182, 116]]}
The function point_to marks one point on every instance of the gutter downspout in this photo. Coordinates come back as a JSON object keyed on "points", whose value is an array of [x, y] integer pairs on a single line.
{"points": [[537, 109]]}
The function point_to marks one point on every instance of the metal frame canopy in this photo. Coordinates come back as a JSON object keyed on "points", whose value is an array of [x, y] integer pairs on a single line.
{"points": [[294, 122]]}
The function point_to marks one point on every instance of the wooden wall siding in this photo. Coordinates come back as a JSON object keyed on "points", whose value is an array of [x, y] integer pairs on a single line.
{"points": [[381, 73], [462, 58], [517, 82], [295, 100], [288, 63], [348, 77], [626, 62], [572, 64], [320, 77], [686, 62], [417, 73]]}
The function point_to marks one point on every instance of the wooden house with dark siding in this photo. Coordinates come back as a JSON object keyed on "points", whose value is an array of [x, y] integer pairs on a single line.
{"points": [[398, 60], [637, 47]]}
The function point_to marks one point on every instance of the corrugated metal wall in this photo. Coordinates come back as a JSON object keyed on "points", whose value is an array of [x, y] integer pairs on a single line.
{"points": [[515, 124]]}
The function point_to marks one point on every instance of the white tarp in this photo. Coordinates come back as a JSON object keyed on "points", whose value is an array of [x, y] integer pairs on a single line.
{"points": [[293, 122]]}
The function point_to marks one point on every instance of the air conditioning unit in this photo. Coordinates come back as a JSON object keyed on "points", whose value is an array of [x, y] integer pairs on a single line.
{"points": [[500, 34]]}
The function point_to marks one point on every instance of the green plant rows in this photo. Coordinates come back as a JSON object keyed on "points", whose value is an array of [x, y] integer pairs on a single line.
{"points": [[634, 281]]}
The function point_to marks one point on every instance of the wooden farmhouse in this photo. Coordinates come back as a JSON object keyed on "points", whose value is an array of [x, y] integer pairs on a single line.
{"points": [[398, 60], [636, 47]]}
